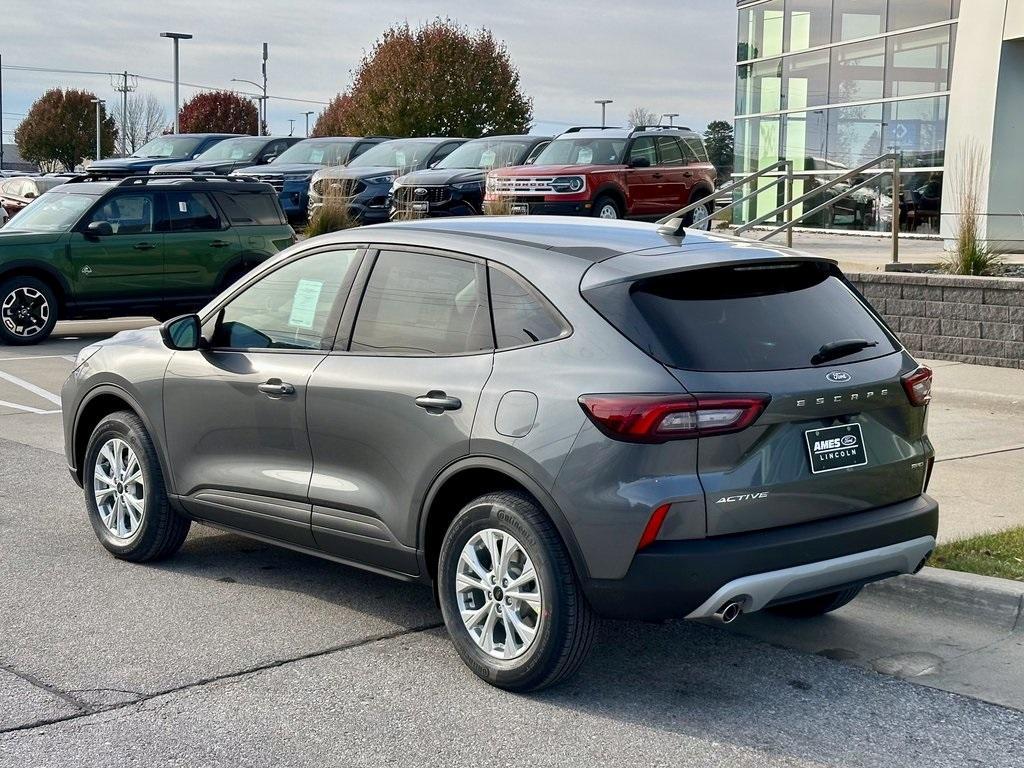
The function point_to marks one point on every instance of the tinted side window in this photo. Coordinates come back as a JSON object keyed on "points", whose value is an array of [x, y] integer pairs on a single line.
{"points": [[290, 308], [419, 304], [521, 315], [444, 151], [192, 212], [696, 149], [643, 147], [669, 151], [127, 214], [250, 208]]}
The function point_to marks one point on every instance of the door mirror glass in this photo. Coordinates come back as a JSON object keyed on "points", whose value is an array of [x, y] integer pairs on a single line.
{"points": [[182, 333], [30, 195], [269, 158], [100, 229]]}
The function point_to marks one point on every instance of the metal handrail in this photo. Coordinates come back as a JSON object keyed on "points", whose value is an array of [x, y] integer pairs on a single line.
{"points": [[827, 203]]}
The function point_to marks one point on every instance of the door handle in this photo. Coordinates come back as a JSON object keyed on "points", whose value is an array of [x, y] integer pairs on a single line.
{"points": [[657, 176], [276, 388], [436, 400], [220, 244], [687, 174], [143, 246]]}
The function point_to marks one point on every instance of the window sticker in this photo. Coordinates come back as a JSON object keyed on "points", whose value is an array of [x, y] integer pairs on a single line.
{"points": [[316, 156], [307, 296], [488, 158], [586, 156], [183, 206], [400, 159]]}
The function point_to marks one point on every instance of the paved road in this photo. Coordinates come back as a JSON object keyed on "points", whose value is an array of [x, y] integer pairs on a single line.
{"points": [[239, 654]]}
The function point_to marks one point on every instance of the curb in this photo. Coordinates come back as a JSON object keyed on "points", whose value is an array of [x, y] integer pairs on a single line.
{"points": [[987, 599]]}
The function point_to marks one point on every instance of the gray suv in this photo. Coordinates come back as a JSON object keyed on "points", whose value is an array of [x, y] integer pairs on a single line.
{"points": [[546, 419]]}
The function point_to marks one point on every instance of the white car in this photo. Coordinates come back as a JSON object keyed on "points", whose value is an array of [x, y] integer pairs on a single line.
{"points": [[3, 216]]}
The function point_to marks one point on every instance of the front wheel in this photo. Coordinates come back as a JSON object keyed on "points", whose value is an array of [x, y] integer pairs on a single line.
{"points": [[510, 599], [606, 208], [28, 311], [700, 217]]}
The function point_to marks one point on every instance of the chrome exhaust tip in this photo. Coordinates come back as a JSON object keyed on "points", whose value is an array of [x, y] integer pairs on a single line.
{"points": [[730, 611]]}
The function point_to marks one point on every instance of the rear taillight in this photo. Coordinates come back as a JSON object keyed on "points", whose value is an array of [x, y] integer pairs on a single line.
{"points": [[657, 418], [919, 386]]}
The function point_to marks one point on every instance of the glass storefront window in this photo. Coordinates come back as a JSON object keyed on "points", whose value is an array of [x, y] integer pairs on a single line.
{"points": [[854, 134], [806, 134], [808, 23], [806, 79], [918, 62], [916, 13], [759, 88], [761, 31], [852, 19], [917, 128], [858, 72]]}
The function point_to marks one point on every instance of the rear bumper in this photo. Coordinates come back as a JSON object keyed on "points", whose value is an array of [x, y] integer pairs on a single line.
{"points": [[676, 579]]}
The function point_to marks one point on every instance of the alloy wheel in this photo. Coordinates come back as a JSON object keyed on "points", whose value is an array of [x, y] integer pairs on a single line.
{"points": [[499, 594], [702, 217], [25, 312], [608, 211], [119, 489]]}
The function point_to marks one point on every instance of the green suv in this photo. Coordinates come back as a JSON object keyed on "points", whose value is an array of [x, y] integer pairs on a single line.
{"points": [[136, 246]]}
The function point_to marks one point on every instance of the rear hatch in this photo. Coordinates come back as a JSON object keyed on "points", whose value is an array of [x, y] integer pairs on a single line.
{"points": [[838, 433]]}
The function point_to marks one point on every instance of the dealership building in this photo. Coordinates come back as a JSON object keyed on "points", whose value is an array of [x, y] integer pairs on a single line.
{"points": [[834, 84]]}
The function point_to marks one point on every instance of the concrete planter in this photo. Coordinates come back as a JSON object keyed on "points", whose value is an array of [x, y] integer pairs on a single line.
{"points": [[967, 319]]}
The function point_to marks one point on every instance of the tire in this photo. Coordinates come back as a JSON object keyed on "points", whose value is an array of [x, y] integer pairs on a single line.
{"points": [[817, 606], [705, 212], [28, 310], [605, 207], [564, 625], [158, 531]]}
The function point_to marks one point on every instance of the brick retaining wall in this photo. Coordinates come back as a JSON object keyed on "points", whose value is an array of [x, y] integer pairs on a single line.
{"points": [[968, 319]]}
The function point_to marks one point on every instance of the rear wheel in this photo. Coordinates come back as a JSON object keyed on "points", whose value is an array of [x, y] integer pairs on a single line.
{"points": [[817, 606], [28, 310], [605, 207], [510, 599]]}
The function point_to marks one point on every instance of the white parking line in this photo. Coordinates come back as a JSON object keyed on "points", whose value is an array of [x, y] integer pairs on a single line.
{"points": [[55, 399], [70, 358], [28, 408]]}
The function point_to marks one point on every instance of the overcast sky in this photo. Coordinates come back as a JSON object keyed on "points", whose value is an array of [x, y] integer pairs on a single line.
{"points": [[666, 55]]}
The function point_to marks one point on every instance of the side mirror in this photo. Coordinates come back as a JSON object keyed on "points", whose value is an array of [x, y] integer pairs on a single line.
{"points": [[639, 162], [269, 158], [99, 229], [182, 333], [30, 195]]}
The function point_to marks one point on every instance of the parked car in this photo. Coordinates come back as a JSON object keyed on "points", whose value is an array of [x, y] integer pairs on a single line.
{"points": [[172, 148], [291, 173], [455, 186], [137, 246], [17, 192], [229, 155], [365, 183], [612, 173], [513, 411], [4, 217]]}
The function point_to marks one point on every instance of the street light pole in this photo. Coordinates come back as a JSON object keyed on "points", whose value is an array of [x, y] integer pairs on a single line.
{"points": [[291, 126], [604, 103], [307, 114], [99, 105], [262, 109], [671, 117], [263, 120], [176, 36]]}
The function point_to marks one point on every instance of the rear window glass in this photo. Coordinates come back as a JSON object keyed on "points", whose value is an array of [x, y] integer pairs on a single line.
{"points": [[745, 318], [521, 315], [250, 208]]}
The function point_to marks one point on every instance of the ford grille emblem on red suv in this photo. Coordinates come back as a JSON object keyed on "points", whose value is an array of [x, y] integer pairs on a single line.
{"points": [[838, 377]]}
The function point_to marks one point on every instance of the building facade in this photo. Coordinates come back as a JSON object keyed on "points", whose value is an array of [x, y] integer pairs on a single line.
{"points": [[832, 85]]}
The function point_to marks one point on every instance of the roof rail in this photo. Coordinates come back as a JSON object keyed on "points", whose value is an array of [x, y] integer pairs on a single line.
{"points": [[578, 128], [639, 128], [131, 181]]}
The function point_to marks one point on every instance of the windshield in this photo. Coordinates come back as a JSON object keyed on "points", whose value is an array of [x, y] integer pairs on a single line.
{"points": [[234, 149], [53, 212], [395, 154], [317, 152], [487, 153], [168, 146], [578, 150]]}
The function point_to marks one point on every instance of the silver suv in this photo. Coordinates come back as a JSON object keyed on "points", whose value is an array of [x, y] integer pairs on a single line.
{"points": [[546, 419]]}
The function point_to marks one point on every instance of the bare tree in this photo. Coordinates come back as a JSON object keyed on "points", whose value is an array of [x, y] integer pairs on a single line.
{"points": [[642, 116], [146, 119]]}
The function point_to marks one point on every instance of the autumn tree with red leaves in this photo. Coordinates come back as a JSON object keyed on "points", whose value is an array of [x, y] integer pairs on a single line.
{"points": [[61, 126], [219, 112], [440, 79]]}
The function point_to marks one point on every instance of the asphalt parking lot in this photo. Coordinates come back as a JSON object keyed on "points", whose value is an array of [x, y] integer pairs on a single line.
{"points": [[239, 654]]}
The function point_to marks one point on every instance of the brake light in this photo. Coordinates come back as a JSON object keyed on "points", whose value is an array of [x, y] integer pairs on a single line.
{"points": [[653, 527], [657, 418], [918, 385]]}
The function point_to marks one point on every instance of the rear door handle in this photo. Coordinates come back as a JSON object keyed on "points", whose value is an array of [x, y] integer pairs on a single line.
{"points": [[436, 400], [143, 246], [220, 244], [657, 175], [276, 388]]}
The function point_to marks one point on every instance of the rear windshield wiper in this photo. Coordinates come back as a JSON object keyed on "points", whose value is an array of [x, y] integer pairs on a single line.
{"points": [[834, 350]]}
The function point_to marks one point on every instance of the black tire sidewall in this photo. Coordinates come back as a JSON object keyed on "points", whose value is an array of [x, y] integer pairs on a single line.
{"points": [[604, 200], [14, 283], [534, 665], [118, 425]]}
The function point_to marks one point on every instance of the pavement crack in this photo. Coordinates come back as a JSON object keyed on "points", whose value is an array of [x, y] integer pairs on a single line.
{"points": [[1011, 449], [85, 710], [65, 696]]}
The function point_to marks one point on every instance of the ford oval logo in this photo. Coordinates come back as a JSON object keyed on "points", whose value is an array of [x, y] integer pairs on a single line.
{"points": [[848, 440], [419, 191], [838, 377]]}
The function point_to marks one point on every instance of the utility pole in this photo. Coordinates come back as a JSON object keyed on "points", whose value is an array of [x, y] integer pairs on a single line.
{"points": [[99, 106], [291, 126], [176, 37], [604, 103], [124, 89], [307, 114], [671, 117], [263, 121]]}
